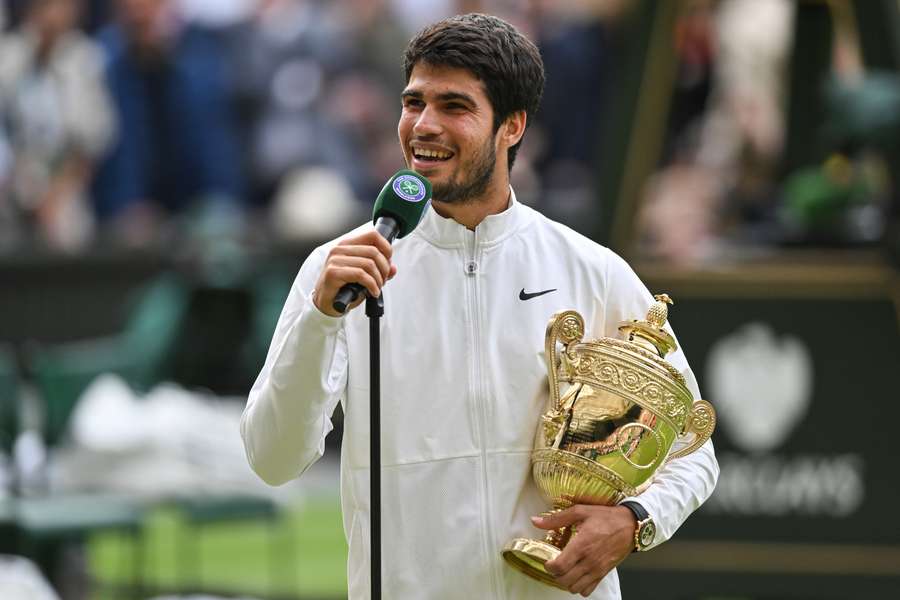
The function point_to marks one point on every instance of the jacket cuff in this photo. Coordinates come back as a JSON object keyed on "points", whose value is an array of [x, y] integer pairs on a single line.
{"points": [[315, 317]]}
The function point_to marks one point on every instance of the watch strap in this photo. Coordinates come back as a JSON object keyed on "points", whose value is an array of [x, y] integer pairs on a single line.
{"points": [[643, 521], [640, 513]]}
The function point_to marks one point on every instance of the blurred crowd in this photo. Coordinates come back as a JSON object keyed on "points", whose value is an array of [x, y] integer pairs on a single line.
{"points": [[780, 133], [122, 121], [128, 122]]}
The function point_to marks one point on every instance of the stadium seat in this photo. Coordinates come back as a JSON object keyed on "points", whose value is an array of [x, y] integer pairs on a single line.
{"points": [[175, 332], [62, 372]]}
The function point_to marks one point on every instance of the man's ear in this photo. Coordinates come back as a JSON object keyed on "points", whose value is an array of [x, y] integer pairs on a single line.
{"points": [[513, 128]]}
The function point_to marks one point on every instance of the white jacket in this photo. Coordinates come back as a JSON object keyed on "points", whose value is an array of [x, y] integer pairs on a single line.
{"points": [[463, 384]]}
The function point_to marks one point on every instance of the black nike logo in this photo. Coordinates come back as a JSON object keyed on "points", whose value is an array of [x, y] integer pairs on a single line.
{"points": [[524, 296]]}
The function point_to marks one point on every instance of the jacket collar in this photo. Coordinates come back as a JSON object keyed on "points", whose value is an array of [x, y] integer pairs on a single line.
{"points": [[446, 232]]}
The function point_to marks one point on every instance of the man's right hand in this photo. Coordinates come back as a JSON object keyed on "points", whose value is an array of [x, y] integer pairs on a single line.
{"points": [[364, 259]]}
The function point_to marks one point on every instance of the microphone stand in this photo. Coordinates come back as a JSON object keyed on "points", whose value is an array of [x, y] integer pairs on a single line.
{"points": [[388, 227], [375, 310]]}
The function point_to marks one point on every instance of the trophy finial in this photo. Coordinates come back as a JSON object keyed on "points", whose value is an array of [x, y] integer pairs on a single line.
{"points": [[649, 334], [659, 312]]}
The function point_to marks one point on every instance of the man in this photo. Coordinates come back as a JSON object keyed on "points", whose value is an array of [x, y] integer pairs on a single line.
{"points": [[463, 373], [59, 120], [177, 150]]}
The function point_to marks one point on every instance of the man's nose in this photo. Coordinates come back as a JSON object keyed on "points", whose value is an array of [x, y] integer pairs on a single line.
{"points": [[428, 123]]}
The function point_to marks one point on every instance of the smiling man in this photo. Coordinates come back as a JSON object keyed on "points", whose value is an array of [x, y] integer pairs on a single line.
{"points": [[463, 373]]}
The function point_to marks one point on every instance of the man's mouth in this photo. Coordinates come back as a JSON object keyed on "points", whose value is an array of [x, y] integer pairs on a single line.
{"points": [[430, 155]]}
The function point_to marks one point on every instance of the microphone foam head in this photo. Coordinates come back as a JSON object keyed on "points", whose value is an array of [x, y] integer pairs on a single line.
{"points": [[404, 197]]}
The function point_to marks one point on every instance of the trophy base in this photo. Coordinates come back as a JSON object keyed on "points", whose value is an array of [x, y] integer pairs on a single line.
{"points": [[528, 557]]}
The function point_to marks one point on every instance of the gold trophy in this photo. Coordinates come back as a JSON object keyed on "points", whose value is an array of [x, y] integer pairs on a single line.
{"points": [[605, 437]]}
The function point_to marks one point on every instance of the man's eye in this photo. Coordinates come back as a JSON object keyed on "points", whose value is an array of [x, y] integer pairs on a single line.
{"points": [[412, 103], [455, 106]]}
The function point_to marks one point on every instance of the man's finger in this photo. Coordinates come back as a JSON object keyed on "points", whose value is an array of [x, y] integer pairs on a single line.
{"points": [[382, 244], [342, 275], [592, 587], [369, 238], [367, 252], [585, 584], [566, 561], [366, 264], [569, 576], [570, 516]]}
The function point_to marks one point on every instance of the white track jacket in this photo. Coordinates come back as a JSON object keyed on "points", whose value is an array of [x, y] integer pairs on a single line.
{"points": [[463, 384]]}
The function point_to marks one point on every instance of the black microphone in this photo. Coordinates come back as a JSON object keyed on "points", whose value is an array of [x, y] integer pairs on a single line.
{"points": [[398, 209]]}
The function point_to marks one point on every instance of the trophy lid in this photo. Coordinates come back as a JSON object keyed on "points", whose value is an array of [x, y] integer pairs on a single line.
{"points": [[649, 334]]}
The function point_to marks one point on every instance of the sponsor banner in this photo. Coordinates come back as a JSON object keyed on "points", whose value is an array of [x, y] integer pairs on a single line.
{"points": [[807, 404], [808, 399]]}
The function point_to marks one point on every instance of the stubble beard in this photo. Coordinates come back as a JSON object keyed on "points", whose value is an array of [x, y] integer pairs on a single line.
{"points": [[481, 173]]}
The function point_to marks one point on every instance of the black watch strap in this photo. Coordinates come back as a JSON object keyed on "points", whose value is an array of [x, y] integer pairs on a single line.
{"points": [[640, 513], [645, 530]]}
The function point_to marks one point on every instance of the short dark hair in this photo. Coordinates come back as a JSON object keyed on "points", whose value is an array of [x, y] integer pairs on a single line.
{"points": [[505, 61]]}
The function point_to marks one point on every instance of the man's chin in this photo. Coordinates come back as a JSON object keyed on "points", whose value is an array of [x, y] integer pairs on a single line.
{"points": [[448, 194], [442, 190]]}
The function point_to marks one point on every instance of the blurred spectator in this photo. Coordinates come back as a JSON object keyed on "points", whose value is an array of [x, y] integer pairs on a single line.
{"points": [[785, 144], [318, 88], [178, 148], [696, 48], [96, 14], [679, 217], [726, 132], [364, 98], [576, 45], [372, 32], [8, 10], [416, 14], [575, 41], [57, 118], [581, 50], [216, 14], [282, 59]]}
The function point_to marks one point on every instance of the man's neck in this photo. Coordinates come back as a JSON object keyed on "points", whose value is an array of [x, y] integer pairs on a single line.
{"points": [[469, 214]]}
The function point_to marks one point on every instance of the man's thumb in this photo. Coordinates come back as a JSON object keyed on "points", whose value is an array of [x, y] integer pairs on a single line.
{"points": [[563, 518]]}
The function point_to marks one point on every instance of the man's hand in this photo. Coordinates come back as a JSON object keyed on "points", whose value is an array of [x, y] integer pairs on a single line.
{"points": [[603, 537], [364, 259]]}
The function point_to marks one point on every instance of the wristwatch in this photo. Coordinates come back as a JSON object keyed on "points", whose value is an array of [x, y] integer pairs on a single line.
{"points": [[646, 528]]}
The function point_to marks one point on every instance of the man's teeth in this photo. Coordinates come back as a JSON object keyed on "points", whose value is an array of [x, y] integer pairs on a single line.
{"points": [[424, 153]]}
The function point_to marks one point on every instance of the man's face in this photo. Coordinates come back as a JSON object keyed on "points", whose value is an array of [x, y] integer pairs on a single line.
{"points": [[52, 18], [447, 133], [143, 19]]}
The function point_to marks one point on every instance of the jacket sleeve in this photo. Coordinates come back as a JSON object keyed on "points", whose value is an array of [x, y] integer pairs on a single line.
{"points": [[304, 377], [683, 484]]}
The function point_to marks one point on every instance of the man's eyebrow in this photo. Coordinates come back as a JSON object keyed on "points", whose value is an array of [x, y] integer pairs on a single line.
{"points": [[448, 96], [445, 97]]}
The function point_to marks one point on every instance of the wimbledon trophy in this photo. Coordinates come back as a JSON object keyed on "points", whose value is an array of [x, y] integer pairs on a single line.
{"points": [[604, 439]]}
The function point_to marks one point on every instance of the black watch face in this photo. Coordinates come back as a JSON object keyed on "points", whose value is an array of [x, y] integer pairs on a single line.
{"points": [[647, 533]]}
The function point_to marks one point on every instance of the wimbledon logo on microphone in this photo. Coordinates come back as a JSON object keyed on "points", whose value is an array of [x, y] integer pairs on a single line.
{"points": [[409, 188]]}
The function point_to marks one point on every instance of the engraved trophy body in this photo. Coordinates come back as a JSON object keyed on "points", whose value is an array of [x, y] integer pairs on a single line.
{"points": [[603, 439]]}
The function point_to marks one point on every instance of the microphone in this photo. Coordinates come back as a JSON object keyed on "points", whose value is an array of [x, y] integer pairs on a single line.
{"points": [[398, 209]]}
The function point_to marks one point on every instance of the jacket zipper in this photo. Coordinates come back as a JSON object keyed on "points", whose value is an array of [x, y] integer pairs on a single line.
{"points": [[479, 390]]}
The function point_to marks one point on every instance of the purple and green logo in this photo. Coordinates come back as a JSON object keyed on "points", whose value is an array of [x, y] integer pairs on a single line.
{"points": [[410, 188]]}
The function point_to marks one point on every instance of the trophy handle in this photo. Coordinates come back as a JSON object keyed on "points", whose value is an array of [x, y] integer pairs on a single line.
{"points": [[566, 327], [701, 421]]}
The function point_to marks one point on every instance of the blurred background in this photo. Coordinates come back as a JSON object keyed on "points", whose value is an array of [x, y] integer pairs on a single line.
{"points": [[166, 165]]}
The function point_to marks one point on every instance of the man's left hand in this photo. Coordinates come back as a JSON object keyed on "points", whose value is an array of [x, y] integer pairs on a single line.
{"points": [[603, 537]]}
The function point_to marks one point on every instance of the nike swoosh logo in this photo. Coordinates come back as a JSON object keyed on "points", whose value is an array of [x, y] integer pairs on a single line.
{"points": [[524, 296]]}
